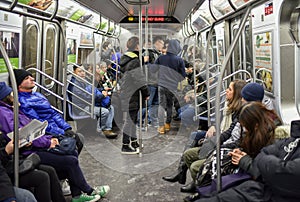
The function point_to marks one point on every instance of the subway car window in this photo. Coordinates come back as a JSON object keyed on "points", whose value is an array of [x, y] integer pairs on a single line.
{"points": [[50, 48], [30, 55]]}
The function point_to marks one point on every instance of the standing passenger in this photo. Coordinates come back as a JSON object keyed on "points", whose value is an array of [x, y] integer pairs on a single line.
{"points": [[132, 83], [171, 71], [153, 102]]}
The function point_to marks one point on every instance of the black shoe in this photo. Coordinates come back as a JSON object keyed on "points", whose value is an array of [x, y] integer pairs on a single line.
{"points": [[190, 188], [127, 149], [192, 198], [182, 177], [135, 144], [172, 178]]}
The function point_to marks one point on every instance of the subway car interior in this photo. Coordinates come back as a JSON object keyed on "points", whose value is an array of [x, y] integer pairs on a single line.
{"points": [[220, 40]]}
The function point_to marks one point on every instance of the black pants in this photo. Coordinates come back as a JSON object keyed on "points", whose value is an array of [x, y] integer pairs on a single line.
{"points": [[55, 187], [39, 182], [129, 129], [44, 183]]}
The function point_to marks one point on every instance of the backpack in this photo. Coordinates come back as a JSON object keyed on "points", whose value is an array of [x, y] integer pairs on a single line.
{"points": [[208, 171], [67, 146]]}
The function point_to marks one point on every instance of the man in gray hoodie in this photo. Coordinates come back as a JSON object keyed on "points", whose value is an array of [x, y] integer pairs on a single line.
{"points": [[171, 71]]}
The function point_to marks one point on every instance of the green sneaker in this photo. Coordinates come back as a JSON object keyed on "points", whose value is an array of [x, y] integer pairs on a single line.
{"points": [[101, 190], [85, 197]]}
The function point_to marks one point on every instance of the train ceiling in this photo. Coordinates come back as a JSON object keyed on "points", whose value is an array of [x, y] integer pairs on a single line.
{"points": [[119, 10]]}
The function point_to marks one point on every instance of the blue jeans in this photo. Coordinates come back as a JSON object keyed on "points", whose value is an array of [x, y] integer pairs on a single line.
{"points": [[107, 116], [143, 116], [152, 106], [165, 102], [186, 114], [195, 137], [23, 195]]}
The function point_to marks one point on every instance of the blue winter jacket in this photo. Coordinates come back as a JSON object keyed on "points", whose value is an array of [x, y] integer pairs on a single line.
{"points": [[172, 68], [7, 125], [36, 106], [100, 99]]}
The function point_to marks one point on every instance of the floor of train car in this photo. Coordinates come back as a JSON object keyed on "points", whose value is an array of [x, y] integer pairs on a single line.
{"points": [[133, 177]]}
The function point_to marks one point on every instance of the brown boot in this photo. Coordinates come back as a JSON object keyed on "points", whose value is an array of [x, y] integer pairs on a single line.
{"points": [[109, 134], [167, 127], [161, 130]]}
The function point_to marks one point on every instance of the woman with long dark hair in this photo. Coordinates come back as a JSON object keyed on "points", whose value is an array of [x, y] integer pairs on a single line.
{"points": [[258, 125]]}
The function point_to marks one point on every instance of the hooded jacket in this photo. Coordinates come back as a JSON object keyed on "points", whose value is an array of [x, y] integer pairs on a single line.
{"points": [[171, 67], [133, 79]]}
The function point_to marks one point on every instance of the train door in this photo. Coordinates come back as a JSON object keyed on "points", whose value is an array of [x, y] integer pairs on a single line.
{"points": [[242, 55], [289, 60], [40, 54]]}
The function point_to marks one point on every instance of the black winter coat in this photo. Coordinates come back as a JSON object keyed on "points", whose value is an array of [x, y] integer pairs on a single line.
{"points": [[276, 170], [280, 169], [133, 80], [6, 187]]}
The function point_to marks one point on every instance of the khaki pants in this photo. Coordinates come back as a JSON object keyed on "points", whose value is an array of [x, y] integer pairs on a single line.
{"points": [[191, 159]]}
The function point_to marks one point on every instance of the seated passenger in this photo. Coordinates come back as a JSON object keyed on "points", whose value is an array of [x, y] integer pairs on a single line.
{"points": [[103, 109], [276, 174], [195, 157], [259, 131], [36, 106], [187, 112], [66, 166], [102, 81], [9, 193], [233, 104], [43, 179], [105, 82]]}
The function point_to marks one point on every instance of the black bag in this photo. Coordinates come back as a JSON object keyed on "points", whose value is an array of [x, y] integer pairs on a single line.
{"points": [[208, 171], [67, 146], [26, 165]]}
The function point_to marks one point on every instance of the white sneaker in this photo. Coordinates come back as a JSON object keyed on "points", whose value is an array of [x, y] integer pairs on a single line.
{"points": [[101, 190], [65, 187]]}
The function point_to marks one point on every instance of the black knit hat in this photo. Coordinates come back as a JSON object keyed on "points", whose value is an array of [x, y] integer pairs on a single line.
{"points": [[20, 75]]}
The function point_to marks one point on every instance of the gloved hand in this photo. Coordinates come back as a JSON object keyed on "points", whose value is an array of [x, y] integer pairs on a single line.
{"points": [[70, 133]]}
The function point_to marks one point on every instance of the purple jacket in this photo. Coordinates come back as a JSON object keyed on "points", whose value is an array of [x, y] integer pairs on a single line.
{"points": [[7, 125]]}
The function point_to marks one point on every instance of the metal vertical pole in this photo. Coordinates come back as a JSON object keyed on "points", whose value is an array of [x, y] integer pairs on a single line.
{"points": [[146, 67], [141, 66], [16, 113], [218, 92]]}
